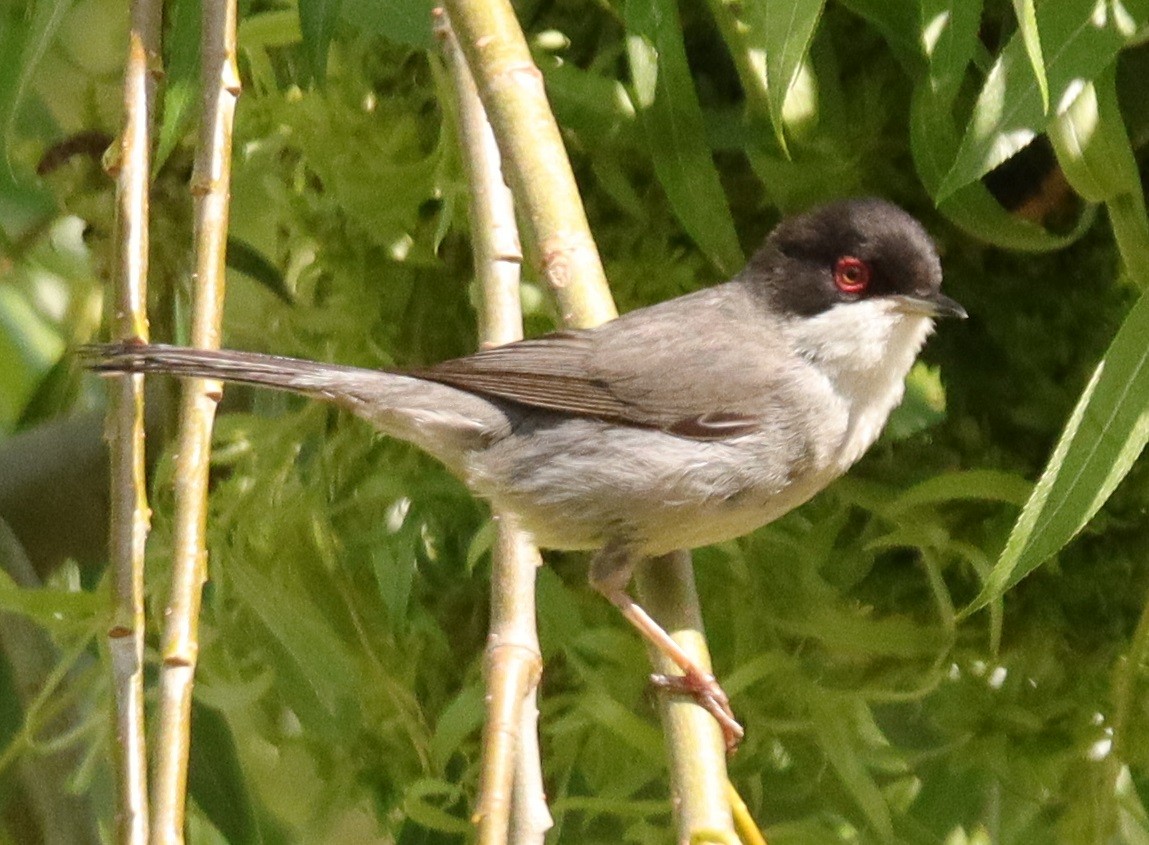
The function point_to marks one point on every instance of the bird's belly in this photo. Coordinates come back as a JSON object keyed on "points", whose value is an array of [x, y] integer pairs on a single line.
{"points": [[589, 483]]}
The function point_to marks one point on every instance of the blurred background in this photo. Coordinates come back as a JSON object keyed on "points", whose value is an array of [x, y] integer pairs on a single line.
{"points": [[339, 694]]}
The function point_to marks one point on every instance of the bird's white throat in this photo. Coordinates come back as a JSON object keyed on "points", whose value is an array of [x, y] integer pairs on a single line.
{"points": [[865, 350]]}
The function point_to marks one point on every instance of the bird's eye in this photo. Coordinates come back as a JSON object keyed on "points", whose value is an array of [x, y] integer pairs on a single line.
{"points": [[851, 275]]}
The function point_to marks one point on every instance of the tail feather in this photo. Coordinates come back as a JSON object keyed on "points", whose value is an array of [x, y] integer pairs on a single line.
{"points": [[245, 367], [445, 421]]}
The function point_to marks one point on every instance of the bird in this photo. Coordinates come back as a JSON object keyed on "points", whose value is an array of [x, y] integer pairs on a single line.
{"points": [[678, 425]]}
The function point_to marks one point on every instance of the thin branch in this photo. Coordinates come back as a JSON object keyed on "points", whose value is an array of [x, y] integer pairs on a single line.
{"points": [[129, 515], [697, 749], [211, 180], [511, 89], [511, 799]]}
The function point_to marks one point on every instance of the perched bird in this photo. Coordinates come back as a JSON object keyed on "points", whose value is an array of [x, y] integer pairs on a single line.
{"points": [[678, 425]]}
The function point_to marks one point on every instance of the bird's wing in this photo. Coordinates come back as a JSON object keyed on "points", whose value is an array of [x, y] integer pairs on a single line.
{"points": [[651, 370]]}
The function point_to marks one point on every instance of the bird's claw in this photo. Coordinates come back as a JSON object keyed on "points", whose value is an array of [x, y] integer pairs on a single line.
{"points": [[709, 695]]}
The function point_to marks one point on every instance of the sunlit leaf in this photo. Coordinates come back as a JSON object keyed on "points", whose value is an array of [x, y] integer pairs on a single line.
{"points": [[947, 39], [671, 118], [1097, 158], [933, 139], [1026, 12], [1106, 432], [1009, 111], [778, 37]]}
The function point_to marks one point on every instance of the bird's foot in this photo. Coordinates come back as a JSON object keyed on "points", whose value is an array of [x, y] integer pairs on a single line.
{"points": [[709, 695]]}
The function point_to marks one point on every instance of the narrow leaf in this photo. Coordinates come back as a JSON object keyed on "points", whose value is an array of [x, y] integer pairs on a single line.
{"points": [[948, 39], [778, 37], [1095, 153], [181, 76], [675, 133], [317, 20], [215, 778], [933, 140], [1106, 432], [1027, 26], [1009, 111], [246, 259], [24, 46]]}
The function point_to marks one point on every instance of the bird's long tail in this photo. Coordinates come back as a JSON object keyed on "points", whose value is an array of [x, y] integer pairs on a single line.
{"points": [[292, 374], [442, 420]]}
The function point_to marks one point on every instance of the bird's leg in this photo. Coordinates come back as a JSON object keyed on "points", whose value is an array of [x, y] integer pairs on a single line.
{"points": [[610, 573]]}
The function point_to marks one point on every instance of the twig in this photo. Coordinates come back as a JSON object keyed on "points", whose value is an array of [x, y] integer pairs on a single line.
{"points": [[129, 514], [511, 90], [210, 186], [511, 799]]}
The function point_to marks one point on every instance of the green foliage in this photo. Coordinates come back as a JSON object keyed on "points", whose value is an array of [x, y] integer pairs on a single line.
{"points": [[339, 693]]}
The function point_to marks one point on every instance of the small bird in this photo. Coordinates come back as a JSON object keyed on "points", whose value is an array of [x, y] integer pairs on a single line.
{"points": [[686, 423]]}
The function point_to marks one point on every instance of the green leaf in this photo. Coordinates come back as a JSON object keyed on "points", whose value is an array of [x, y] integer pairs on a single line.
{"points": [[838, 740], [401, 21], [215, 778], [778, 38], [459, 720], [23, 45], [1009, 111], [668, 109], [1106, 432], [948, 39], [48, 606], [924, 404], [1096, 155], [896, 21], [422, 800], [181, 77], [294, 621], [985, 484], [933, 139], [246, 259], [317, 20], [1027, 26], [1091, 145]]}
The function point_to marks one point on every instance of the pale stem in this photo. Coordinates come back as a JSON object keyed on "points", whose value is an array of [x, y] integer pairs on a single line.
{"points": [[129, 515], [210, 186], [512, 804]]}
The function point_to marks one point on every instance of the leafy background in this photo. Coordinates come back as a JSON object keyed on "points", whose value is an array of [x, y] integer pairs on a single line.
{"points": [[900, 682]]}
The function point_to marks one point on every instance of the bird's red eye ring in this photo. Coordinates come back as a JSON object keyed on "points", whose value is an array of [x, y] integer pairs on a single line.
{"points": [[851, 275]]}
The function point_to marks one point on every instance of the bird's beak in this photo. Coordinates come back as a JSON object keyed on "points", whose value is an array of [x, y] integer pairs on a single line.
{"points": [[934, 305]]}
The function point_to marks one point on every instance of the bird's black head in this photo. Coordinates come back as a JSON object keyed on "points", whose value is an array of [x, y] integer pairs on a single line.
{"points": [[850, 251]]}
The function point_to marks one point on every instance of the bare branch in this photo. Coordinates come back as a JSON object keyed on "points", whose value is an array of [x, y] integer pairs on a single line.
{"points": [[129, 516], [210, 186], [511, 800], [511, 89]]}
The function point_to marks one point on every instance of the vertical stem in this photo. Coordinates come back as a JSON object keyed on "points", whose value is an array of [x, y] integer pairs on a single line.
{"points": [[697, 751], [511, 799], [211, 180], [129, 514], [511, 89]]}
